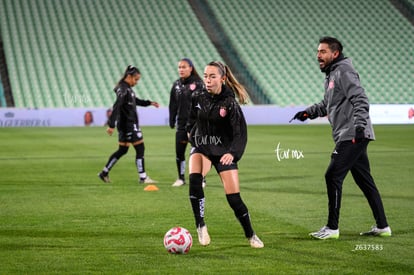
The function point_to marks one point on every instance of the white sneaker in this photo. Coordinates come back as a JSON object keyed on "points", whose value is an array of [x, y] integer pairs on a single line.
{"points": [[255, 242], [203, 237], [375, 231], [178, 183], [325, 233], [147, 180]]}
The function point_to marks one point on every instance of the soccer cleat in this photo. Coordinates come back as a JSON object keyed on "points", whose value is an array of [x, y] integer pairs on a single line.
{"points": [[203, 237], [103, 177], [325, 233], [178, 182], [375, 231], [255, 242], [147, 180]]}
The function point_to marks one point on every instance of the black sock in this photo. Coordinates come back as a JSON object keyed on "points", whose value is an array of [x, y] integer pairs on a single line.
{"points": [[241, 212], [139, 160], [180, 146], [197, 198], [122, 150], [180, 168]]}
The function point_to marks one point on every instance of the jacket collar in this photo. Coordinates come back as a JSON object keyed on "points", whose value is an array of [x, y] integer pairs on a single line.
{"points": [[187, 80], [331, 66], [225, 92]]}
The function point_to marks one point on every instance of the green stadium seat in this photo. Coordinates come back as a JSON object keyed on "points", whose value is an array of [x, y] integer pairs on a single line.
{"points": [[81, 49], [282, 37], [72, 53]]}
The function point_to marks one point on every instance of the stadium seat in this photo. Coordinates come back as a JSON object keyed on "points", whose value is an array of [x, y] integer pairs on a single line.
{"points": [[72, 53], [279, 41]]}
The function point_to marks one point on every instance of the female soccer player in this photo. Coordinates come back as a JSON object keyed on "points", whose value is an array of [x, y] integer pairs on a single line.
{"points": [[124, 116], [218, 131], [179, 107]]}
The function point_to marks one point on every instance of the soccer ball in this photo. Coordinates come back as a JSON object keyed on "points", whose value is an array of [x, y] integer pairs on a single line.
{"points": [[178, 240]]}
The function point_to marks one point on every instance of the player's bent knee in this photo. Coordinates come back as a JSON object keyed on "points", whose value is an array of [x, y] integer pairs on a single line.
{"points": [[122, 150]]}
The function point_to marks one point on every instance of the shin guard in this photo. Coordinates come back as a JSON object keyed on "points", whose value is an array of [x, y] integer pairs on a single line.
{"points": [[139, 160], [241, 212], [197, 198], [122, 150]]}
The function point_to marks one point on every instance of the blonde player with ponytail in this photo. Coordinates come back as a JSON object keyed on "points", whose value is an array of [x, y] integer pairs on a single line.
{"points": [[217, 130]]}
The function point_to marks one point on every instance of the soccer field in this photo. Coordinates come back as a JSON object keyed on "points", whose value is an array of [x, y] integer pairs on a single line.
{"points": [[57, 217]]}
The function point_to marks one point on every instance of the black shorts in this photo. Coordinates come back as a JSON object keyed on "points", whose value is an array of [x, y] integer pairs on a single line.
{"points": [[215, 161], [130, 136]]}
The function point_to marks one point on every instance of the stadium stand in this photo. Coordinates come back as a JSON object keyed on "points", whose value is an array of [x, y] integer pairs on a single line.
{"points": [[71, 53], [3, 73], [278, 39], [408, 3], [2, 97], [406, 8]]}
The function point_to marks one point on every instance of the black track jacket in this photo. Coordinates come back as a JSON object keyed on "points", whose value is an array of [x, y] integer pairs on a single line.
{"points": [[180, 100], [217, 125], [124, 112]]}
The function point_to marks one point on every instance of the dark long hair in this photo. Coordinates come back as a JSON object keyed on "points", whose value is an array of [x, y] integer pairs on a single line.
{"points": [[130, 70], [190, 63]]}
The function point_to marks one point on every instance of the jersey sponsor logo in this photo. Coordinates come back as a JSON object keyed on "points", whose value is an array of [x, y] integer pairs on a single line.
{"points": [[223, 111]]}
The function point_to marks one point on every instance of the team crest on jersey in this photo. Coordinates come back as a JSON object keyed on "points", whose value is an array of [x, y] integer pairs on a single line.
{"points": [[331, 84], [223, 111], [193, 86]]}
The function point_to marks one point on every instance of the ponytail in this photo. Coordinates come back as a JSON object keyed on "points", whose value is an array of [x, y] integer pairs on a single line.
{"points": [[232, 82]]}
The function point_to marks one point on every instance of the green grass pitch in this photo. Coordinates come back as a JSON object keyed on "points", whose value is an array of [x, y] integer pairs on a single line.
{"points": [[57, 217]]}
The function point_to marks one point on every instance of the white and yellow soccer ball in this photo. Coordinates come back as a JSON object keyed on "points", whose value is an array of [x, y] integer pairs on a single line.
{"points": [[178, 240]]}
